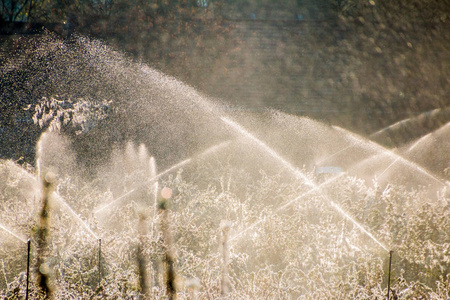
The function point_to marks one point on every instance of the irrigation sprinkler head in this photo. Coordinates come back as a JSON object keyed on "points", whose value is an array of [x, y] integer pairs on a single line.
{"points": [[44, 268], [48, 183], [49, 177]]}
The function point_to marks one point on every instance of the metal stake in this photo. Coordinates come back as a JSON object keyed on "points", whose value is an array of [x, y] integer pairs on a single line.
{"points": [[28, 266], [389, 275], [99, 261]]}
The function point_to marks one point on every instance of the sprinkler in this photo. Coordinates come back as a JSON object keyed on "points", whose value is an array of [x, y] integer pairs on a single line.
{"points": [[389, 274]]}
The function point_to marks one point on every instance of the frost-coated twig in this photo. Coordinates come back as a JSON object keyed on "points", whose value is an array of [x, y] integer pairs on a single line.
{"points": [[4, 273], [99, 261], [225, 226], [141, 260]]}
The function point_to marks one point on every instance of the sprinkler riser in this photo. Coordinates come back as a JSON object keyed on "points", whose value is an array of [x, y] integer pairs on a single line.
{"points": [[389, 274], [28, 267]]}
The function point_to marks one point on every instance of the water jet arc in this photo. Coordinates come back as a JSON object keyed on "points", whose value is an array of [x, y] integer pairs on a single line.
{"points": [[172, 168], [357, 224], [13, 234], [75, 215], [309, 192], [298, 174], [432, 118], [393, 155], [268, 150], [431, 134]]}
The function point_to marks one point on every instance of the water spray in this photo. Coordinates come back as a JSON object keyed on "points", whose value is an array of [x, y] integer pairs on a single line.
{"points": [[297, 173], [427, 136], [388, 167], [347, 216], [426, 116], [151, 180], [419, 141], [334, 154], [268, 150], [172, 168], [393, 155], [309, 192], [62, 201], [13, 234], [75, 215]]}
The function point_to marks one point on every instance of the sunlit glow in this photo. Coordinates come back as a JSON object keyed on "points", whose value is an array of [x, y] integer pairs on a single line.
{"points": [[155, 178], [348, 217], [295, 171], [393, 155]]}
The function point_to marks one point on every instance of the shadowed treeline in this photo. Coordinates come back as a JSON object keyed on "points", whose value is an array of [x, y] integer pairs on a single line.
{"points": [[361, 65]]}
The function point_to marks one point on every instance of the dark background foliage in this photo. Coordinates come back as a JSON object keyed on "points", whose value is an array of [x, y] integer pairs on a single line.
{"points": [[362, 65]]}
